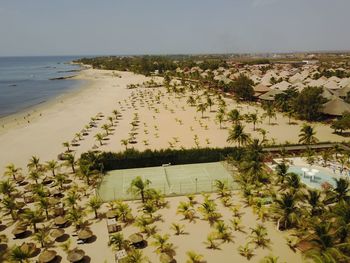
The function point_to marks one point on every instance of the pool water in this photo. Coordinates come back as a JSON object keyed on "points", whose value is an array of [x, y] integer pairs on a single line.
{"points": [[319, 178]]}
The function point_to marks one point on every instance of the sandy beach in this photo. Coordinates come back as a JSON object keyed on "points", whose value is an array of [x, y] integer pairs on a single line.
{"points": [[171, 123]]}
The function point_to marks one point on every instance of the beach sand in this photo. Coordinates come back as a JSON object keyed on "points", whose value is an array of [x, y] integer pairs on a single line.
{"points": [[170, 123]]}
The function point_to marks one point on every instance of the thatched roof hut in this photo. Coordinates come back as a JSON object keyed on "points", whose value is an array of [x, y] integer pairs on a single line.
{"points": [[75, 255], [335, 107], [47, 256]]}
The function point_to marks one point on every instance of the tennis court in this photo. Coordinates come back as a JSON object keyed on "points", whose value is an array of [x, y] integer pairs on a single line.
{"points": [[170, 180]]}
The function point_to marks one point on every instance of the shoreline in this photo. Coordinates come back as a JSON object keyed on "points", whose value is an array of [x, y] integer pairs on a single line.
{"points": [[32, 113]]}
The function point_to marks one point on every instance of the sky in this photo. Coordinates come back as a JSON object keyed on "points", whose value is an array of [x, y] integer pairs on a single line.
{"points": [[119, 27]]}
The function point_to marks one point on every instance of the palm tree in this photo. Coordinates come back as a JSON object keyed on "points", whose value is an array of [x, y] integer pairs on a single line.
{"points": [[325, 248], [259, 236], [270, 111], [202, 107], [223, 232], [19, 255], [208, 210], [117, 241], [44, 204], [72, 199], [67, 145], [9, 205], [7, 188], [286, 210], [210, 102], [33, 217], [136, 256], [313, 197], [246, 251], [234, 116], [221, 188], [99, 137], [124, 211], [42, 236], [238, 135], [211, 241], [52, 166], [70, 161], [106, 128], [341, 212], [307, 135], [60, 179], [76, 217], [191, 101], [186, 210], [34, 163], [193, 257], [139, 186], [125, 143], [161, 243], [35, 175], [253, 118], [220, 118], [111, 120], [326, 156], [12, 171], [269, 259], [282, 170], [341, 191], [95, 203], [178, 229]]}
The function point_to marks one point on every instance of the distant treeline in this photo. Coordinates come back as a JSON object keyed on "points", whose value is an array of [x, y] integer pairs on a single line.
{"points": [[131, 158], [149, 64]]}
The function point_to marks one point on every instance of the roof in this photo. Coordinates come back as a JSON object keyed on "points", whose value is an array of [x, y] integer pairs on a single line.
{"points": [[261, 88], [270, 95], [284, 85], [343, 92], [335, 107]]}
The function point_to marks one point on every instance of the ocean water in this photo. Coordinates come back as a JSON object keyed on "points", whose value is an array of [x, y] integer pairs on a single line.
{"points": [[25, 81]]}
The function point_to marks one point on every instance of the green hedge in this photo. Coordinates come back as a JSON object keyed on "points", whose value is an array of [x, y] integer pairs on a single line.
{"points": [[135, 159]]}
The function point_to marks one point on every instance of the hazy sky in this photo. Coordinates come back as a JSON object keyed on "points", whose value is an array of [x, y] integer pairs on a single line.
{"points": [[82, 27]]}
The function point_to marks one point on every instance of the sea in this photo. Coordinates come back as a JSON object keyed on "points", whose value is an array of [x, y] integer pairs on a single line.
{"points": [[28, 81]]}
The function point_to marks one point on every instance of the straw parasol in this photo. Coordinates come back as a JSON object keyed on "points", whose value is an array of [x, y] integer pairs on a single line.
{"points": [[85, 234], [75, 255], [47, 256], [111, 214], [56, 233], [165, 258], [53, 201], [60, 220], [19, 229], [28, 248], [135, 238]]}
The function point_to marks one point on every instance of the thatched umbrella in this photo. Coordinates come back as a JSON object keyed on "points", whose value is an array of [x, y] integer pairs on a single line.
{"points": [[47, 180], [47, 256], [135, 238], [111, 214], [165, 258], [75, 255], [19, 179], [56, 233], [85, 234], [53, 201], [19, 229], [60, 221], [28, 248]]}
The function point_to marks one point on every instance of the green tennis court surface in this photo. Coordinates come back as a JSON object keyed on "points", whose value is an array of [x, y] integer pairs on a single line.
{"points": [[170, 180]]}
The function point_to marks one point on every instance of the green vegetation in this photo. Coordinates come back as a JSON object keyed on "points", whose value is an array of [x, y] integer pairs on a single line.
{"points": [[135, 159]]}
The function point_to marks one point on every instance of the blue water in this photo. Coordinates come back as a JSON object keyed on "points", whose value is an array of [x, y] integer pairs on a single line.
{"points": [[25, 81], [320, 177]]}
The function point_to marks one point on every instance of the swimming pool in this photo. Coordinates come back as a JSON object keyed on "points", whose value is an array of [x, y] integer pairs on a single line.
{"points": [[320, 177]]}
